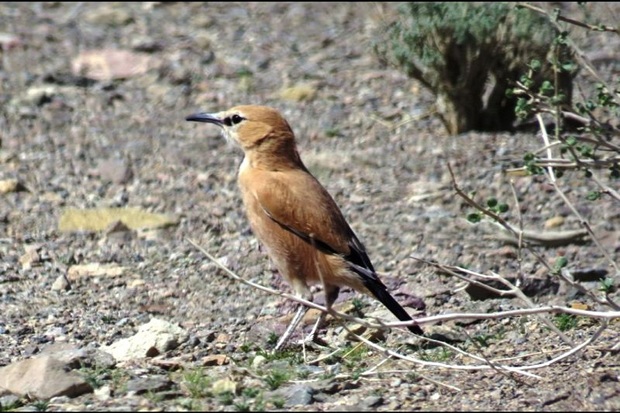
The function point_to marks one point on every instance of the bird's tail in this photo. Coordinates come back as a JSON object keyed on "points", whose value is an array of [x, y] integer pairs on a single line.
{"points": [[380, 292], [391, 304]]}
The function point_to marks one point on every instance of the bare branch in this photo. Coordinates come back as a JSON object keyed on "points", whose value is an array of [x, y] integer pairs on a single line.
{"points": [[600, 28]]}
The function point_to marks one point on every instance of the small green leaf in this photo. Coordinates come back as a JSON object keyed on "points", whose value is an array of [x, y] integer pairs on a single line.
{"points": [[491, 202], [474, 217], [590, 106], [535, 65], [560, 263], [546, 88], [558, 99], [593, 196], [586, 150], [571, 140], [607, 285], [534, 169], [568, 67]]}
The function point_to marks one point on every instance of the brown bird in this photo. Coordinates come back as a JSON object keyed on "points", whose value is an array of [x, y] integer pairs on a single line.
{"points": [[293, 216]]}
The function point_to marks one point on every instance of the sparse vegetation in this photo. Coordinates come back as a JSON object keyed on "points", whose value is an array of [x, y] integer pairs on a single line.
{"points": [[41, 405], [458, 49], [97, 376], [197, 383], [437, 354], [565, 322], [275, 378], [582, 140]]}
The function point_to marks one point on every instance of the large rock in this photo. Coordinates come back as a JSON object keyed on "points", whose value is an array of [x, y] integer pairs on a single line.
{"points": [[42, 377], [153, 338]]}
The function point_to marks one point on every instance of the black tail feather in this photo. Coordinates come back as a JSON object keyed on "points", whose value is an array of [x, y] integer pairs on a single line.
{"points": [[379, 290], [391, 304]]}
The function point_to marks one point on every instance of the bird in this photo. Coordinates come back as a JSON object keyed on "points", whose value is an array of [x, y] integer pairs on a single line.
{"points": [[293, 216]]}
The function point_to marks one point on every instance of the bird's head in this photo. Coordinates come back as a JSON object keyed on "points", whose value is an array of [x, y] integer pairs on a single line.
{"points": [[264, 135], [249, 126]]}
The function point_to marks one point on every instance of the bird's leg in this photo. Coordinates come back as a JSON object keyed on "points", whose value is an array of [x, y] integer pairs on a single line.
{"points": [[302, 292], [331, 293], [301, 311]]}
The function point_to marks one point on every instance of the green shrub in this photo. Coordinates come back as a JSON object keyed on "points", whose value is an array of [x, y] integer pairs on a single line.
{"points": [[471, 54]]}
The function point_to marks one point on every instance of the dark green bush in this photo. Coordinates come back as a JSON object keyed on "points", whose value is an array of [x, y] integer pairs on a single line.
{"points": [[471, 54]]}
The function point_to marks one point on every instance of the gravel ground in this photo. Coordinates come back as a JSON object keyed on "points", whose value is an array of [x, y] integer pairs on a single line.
{"points": [[366, 131]]}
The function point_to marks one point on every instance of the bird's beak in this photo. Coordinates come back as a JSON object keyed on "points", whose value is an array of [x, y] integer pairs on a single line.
{"points": [[206, 117]]}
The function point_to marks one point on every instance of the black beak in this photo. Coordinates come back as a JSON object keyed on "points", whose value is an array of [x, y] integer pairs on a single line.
{"points": [[205, 117]]}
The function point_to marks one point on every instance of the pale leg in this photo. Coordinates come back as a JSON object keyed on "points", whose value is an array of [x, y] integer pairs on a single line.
{"points": [[331, 294], [291, 327]]}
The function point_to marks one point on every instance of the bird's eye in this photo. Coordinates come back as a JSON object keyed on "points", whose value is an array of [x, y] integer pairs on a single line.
{"points": [[232, 120]]}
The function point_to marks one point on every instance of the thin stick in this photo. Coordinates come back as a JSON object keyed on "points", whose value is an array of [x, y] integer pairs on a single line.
{"points": [[488, 365]]}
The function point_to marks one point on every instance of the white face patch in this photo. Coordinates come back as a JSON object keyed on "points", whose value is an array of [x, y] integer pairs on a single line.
{"points": [[230, 128], [230, 134]]}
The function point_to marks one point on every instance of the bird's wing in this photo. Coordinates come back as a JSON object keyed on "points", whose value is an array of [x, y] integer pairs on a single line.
{"points": [[299, 204]]}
